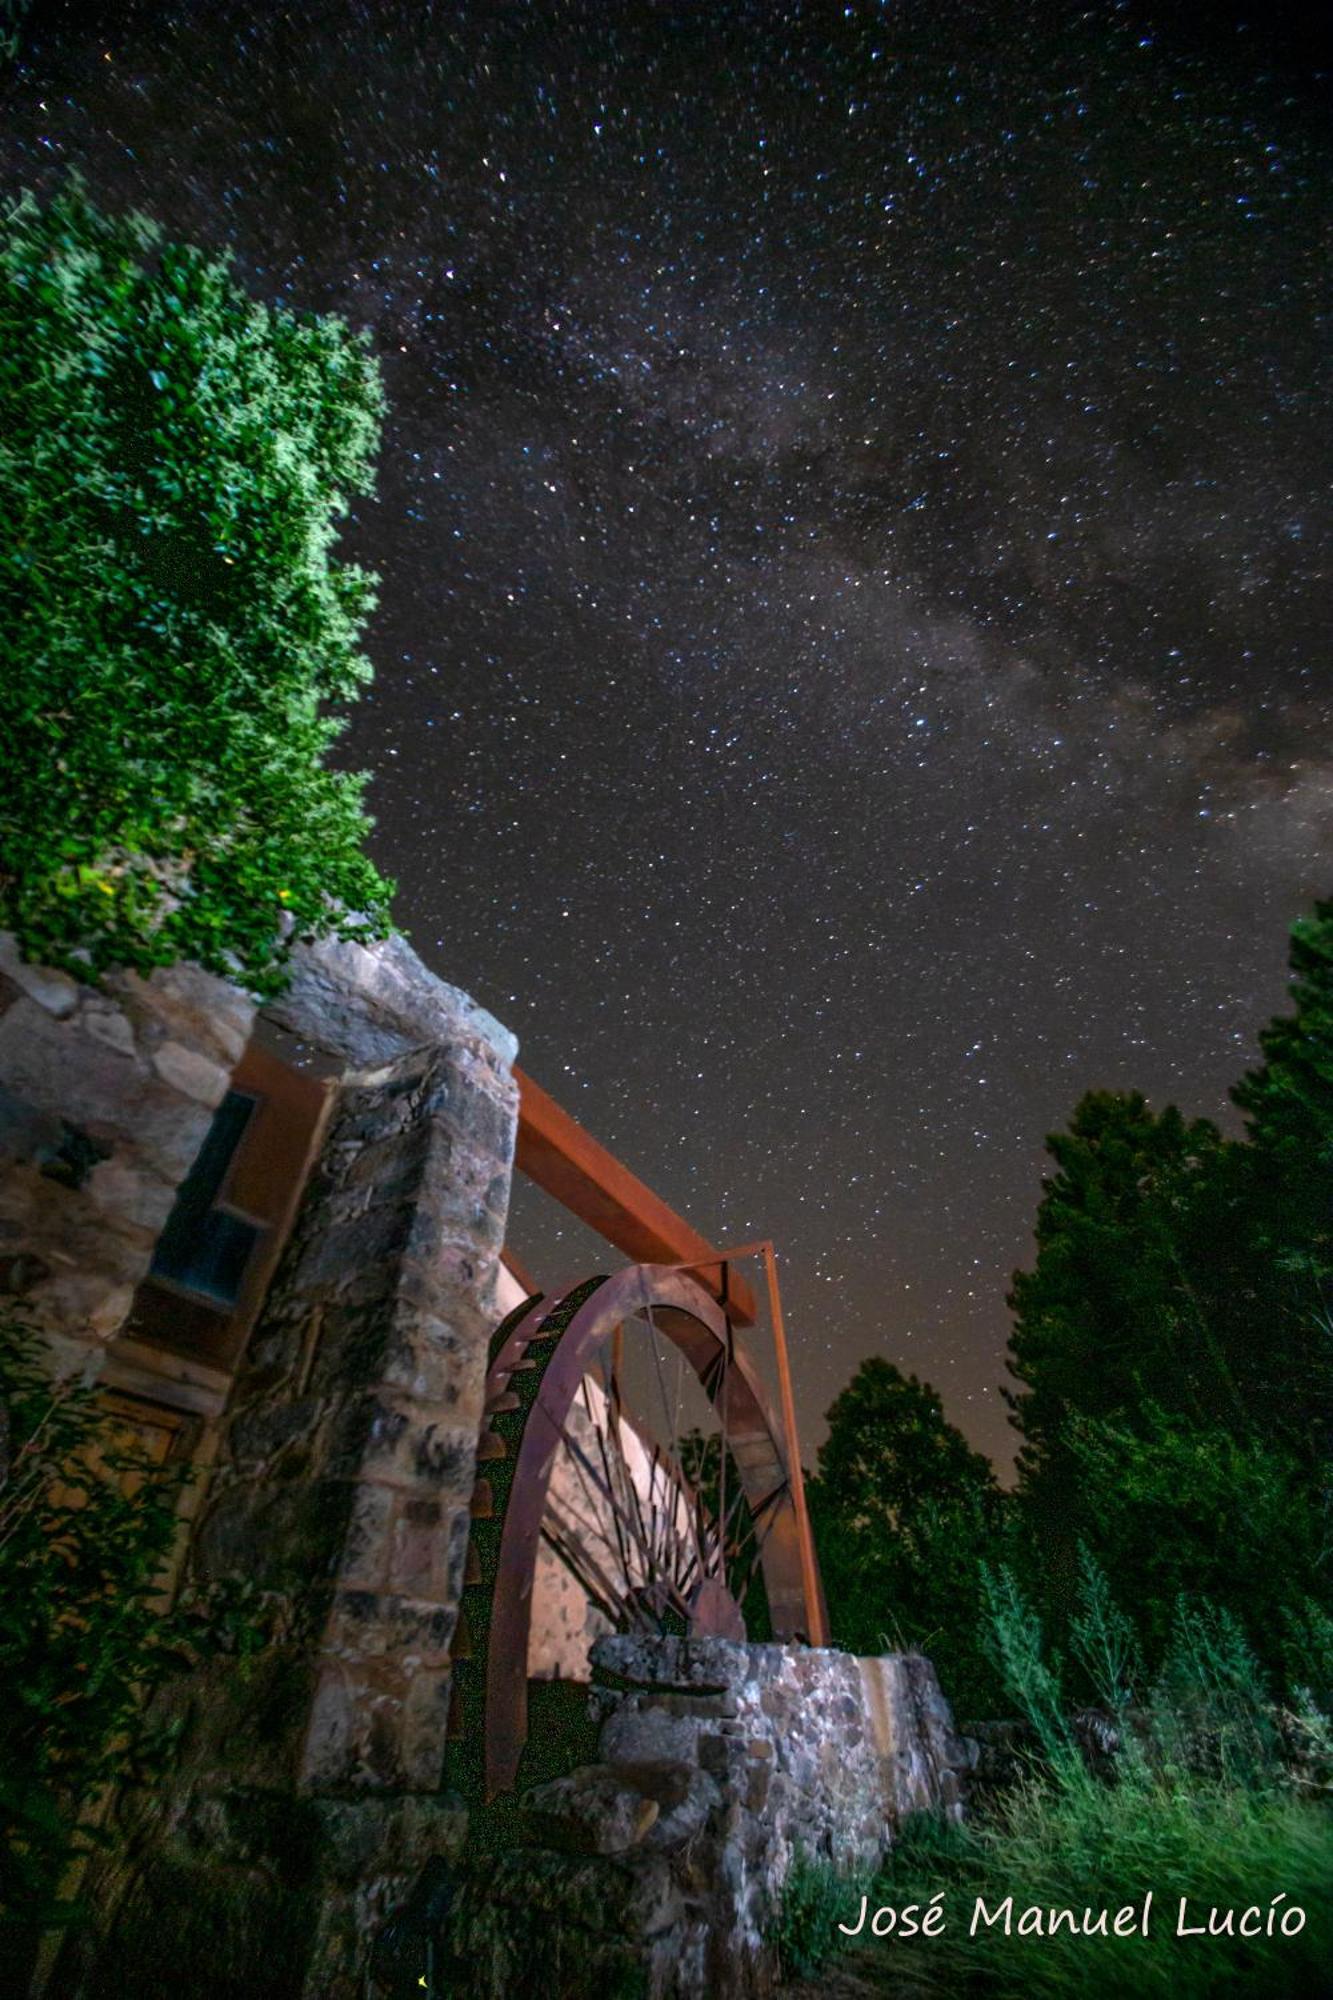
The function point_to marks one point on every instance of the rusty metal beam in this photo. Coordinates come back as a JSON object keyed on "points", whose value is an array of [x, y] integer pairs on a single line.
{"points": [[568, 1163], [813, 1589]]}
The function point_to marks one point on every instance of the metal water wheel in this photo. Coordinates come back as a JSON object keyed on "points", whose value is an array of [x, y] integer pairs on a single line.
{"points": [[634, 1527]]}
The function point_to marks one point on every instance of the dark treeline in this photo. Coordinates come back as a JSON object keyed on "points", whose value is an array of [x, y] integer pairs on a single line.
{"points": [[1172, 1346]]}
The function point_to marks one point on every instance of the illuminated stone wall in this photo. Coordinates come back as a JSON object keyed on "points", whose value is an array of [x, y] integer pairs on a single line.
{"points": [[305, 1791], [660, 1868]]}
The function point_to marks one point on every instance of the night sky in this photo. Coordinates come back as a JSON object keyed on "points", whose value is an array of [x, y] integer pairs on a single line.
{"points": [[851, 667]]}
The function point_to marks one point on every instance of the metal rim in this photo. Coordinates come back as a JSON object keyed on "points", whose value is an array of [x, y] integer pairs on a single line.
{"points": [[539, 1359]]}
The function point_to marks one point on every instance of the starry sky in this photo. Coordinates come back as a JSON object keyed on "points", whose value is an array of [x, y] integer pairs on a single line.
{"points": [[851, 666]]}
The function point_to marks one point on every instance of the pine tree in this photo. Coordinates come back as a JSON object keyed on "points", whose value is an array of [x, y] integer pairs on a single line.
{"points": [[1111, 1314], [1285, 1200]]}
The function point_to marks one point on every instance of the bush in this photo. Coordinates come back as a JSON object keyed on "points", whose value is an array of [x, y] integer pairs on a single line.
{"points": [[1200, 1804], [175, 458], [87, 1525], [816, 1898]]}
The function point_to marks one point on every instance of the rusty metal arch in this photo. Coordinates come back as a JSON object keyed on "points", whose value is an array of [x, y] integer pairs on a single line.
{"points": [[580, 1323]]}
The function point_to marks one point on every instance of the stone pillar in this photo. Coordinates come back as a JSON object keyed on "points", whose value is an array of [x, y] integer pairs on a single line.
{"points": [[106, 1094], [308, 1784]]}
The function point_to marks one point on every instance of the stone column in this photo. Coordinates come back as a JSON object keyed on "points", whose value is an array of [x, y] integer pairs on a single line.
{"points": [[312, 1773]]}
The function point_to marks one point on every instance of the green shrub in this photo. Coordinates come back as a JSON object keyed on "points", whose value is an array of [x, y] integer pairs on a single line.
{"points": [[175, 458], [1068, 1845], [87, 1525], [816, 1899], [1201, 1804]]}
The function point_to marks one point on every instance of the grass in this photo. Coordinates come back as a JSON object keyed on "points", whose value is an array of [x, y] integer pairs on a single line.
{"points": [[1201, 1802], [1065, 1845]]}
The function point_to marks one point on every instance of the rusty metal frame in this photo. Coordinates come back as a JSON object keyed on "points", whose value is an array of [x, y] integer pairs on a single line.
{"points": [[686, 1313], [564, 1160]]}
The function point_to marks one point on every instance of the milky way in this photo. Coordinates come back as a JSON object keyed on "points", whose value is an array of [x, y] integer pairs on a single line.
{"points": [[851, 664]]}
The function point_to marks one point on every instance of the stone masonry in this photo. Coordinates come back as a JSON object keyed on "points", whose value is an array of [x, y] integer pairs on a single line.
{"points": [[659, 1870], [106, 1093], [305, 1790]]}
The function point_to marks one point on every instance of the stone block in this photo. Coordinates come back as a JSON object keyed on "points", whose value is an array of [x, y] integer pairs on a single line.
{"points": [[398, 1441], [456, 1274], [647, 1734], [756, 1789], [54, 991], [105, 1022], [331, 1735], [425, 1727], [193, 1074], [433, 1362], [41, 1057], [55, 1068], [368, 1004], [183, 1003], [589, 1811], [27, 1134], [349, 1351], [368, 1543], [419, 1563], [262, 1433], [479, 1107], [332, 1254], [367, 1625], [706, 1665], [122, 1187], [682, 1820]]}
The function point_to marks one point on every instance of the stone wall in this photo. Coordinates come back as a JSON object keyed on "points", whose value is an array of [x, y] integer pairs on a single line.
{"points": [[342, 1493], [660, 1869], [106, 1093], [305, 1792]]}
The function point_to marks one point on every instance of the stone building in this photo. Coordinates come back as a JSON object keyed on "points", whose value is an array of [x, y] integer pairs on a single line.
{"points": [[274, 1237]]}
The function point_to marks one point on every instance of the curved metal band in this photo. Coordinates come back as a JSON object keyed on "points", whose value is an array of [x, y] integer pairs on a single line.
{"points": [[689, 1317]]}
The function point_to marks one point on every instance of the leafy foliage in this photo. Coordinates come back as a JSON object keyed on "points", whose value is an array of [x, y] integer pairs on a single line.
{"points": [[1285, 1207], [175, 458], [1200, 1803], [87, 1523], [1288, 1102], [1110, 1314], [1176, 1508], [816, 1899]]}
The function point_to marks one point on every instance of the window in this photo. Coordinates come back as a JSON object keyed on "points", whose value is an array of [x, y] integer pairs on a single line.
{"points": [[205, 1248]]}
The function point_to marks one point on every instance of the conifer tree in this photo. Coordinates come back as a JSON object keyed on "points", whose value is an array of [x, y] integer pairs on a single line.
{"points": [[1285, 1202]]}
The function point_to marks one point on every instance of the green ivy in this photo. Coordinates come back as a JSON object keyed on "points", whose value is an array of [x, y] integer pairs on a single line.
{"points": [[176, 638], [87, 1525]]}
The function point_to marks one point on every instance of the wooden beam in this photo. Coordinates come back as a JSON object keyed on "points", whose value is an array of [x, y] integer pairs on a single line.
{"points": [[556, 1152]]}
